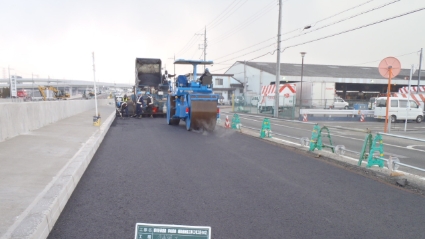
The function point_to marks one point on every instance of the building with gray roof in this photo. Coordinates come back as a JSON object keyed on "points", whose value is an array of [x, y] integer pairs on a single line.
{"points": [[349, 80]]}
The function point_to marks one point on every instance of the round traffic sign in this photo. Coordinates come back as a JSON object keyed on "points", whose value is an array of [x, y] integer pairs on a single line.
{"points": [[389, 64]]}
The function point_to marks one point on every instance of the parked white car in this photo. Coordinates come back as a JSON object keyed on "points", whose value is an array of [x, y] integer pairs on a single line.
{"points": [[254, 101], [339, 103], [399, 109]]}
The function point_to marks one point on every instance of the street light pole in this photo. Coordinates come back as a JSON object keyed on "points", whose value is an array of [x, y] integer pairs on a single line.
{"points": [[419, 73], [302, 71]]}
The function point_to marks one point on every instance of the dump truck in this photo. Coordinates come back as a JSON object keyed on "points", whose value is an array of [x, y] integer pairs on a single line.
{"points": [[287, 96], [193, 101], [150, 79]]}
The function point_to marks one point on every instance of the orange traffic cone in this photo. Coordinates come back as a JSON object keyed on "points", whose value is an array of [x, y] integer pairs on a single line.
{"points": [[305, 118], [362, 118], [227, 123]]}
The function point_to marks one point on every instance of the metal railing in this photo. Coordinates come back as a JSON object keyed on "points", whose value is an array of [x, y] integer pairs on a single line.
{"points": [[393, 163], [335, 112]]}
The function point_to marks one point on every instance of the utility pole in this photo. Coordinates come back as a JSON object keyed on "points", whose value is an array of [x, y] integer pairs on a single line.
{"points": [[244, 79], [276, 97], [419, 73], [205, 45], [94, 83]]}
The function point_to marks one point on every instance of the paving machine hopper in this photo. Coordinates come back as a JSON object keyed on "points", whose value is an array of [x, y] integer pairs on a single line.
{"points": [[193, 101], [149, 79]]}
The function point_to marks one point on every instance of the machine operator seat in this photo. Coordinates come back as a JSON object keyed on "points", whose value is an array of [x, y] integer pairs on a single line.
{"points": [[206, 78], [181, 81]]}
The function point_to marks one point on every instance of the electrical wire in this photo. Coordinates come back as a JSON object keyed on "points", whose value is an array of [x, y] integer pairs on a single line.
{"points": [[184, 49], [326, 18], [339, 21], [209, 24], [357, 28], [381, 59], [191, 45], [343, 11], [273, 38], [246, 23], [339, 33], [229, 14], [342, 20]]}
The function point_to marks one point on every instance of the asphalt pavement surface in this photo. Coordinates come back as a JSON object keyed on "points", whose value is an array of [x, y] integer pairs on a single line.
{"points": [[149, 172]]}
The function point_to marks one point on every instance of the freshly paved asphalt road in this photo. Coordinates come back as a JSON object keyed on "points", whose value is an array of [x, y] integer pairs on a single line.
{"points": [[146, 171]]}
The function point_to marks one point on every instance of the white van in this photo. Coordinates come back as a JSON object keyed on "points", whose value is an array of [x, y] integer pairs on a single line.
{"points": [[398, 109]]}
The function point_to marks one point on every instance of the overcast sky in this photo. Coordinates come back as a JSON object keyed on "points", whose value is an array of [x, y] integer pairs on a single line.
{"points": [[56, 38]]}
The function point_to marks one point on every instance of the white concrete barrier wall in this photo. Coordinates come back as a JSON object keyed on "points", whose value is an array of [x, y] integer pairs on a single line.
{"points": [[21, 118]]}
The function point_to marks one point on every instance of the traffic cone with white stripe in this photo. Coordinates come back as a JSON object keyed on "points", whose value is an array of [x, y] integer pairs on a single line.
{"points": [[227, 123], [362, 118], [305, 118]]}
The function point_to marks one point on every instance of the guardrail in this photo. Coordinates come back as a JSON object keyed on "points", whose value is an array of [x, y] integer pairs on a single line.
{"points": [[393, 163], [335, 112]]}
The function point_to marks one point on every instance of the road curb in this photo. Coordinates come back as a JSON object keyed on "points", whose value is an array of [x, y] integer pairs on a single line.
{"points": [[41, 216], [415, 181]]}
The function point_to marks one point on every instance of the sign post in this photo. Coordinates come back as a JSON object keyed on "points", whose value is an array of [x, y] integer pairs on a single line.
{"points": [[13, 91], [389, 67], [159, 231]]}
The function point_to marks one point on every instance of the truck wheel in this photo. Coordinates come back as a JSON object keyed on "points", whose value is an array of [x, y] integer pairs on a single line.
{"points": [[346, 108], [419, 119], [393, 118]]}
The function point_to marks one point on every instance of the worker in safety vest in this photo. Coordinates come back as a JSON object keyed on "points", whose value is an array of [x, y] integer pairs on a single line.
{"points": [[149, 104], [124, 100]]}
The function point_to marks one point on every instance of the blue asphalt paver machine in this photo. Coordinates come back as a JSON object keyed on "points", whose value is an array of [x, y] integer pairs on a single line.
{"points": [[193, 101]]}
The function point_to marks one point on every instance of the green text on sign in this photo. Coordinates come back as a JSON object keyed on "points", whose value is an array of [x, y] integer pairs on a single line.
{"points": [[163, 231]]}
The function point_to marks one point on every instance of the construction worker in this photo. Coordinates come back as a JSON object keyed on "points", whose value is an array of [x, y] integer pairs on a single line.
{"points": [[124, 100], [149, 104], [139, 105], [204, 77]]}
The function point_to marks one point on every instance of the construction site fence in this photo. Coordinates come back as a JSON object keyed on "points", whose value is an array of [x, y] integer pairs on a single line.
{"points": [[289, 106], [392, 162]]}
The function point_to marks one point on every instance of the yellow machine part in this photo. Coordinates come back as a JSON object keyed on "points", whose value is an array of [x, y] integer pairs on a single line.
{"points": [[203, 115]]}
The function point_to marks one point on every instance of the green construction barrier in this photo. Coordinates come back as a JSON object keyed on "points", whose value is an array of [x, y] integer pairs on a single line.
{"points": [[371, 146], [367, 146], [236, 122], [266, 131], [316, 139], [376, 145]]}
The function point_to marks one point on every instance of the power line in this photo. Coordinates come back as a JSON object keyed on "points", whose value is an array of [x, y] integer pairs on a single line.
{"points": [[187, 44], [249, 52], [381, 59], [339, 21], [343, 11], [228, 15], [357, 28], [336, 34], [326, 18], [196, 38], [342, 20], [273, 38], [209, 24], [247, 22]]}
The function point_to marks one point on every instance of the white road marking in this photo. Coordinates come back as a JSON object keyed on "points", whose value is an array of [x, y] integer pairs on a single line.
{"points": [[338, 135], [411, 146]]}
